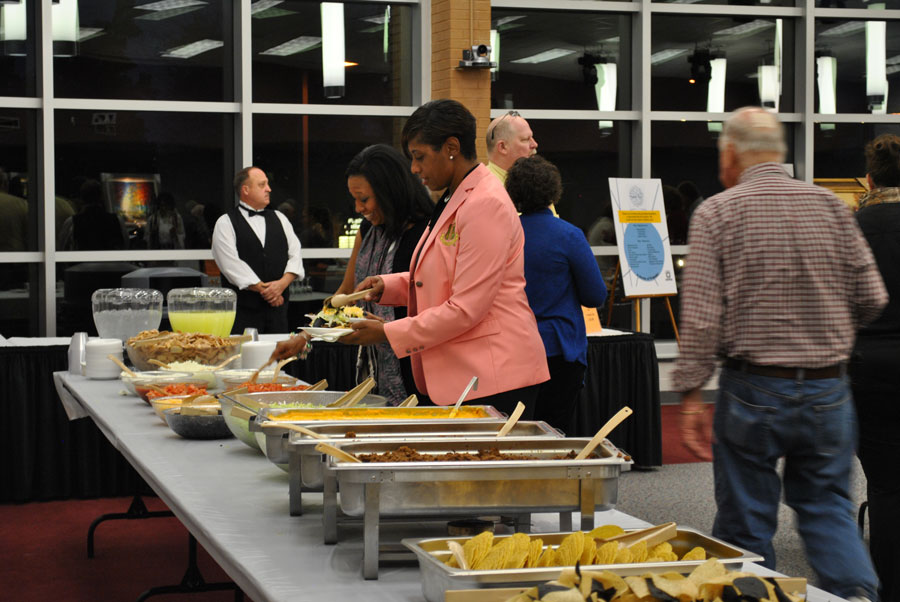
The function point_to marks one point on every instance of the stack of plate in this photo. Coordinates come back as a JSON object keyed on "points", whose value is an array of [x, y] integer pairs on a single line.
{"points": [[96, 361]]}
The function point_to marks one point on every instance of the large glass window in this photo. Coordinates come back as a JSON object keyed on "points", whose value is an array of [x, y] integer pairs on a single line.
{"points": [[721, 63], [369, 47], [839, 148], [20, 307], [144, 50], [120, 168], [17, 43], [18, 201], [856, 62], [561, 60]]}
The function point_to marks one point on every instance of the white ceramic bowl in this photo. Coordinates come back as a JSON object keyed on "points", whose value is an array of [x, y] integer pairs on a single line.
{"points": [[154, 376]]}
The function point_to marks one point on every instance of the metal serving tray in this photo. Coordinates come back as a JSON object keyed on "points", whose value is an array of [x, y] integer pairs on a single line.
{"points": [[273, 441], [269, 437], [307, 472], [437, 577], [517, 487]]}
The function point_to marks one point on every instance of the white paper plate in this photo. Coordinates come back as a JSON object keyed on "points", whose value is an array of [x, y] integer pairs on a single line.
{"points": [[326, 334]]}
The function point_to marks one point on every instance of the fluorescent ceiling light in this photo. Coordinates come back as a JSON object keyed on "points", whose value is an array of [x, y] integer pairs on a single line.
{"points": [[745, 29], [876, 70], [295, 46], [892, 70], [495, 50], [769, 86], [543, 57], [170, 4], [894, 60], [13, 23], [65, 21], [826, 80], [666, 55], [89, 33], [261, 5], [162, 15], [614, 40], [193, 49], [715, 93], [845, 29], [605, 90], [332, 14], [504, 20], [377, 19]]}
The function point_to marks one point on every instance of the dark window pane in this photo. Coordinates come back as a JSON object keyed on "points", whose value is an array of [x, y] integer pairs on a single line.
{"points": [[888, 4], [19, 303], [114, 165], [755, 53], [841, 51], [555, 60], [684, 156], [287, 55], [587, 154], [130, 52], [734, 2], [17, 49], [18, 198], [839, 148]]}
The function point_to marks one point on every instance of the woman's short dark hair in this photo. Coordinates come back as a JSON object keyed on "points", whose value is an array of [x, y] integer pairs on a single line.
{"points": [[400, 195], [883, 160], [533, 183], [435, 121]]}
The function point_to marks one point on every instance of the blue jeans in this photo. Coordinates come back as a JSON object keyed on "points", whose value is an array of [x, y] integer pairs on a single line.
{"points": [[812, 424]]}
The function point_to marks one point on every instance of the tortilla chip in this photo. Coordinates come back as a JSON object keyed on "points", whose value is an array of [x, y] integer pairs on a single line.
{"points": [[606, 531], [695, 553]]}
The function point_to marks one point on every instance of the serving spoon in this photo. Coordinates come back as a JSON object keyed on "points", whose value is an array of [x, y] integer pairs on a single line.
{"points": [[472, 383], [121, 365], [327, 448], [604, 431], [513, 419]]}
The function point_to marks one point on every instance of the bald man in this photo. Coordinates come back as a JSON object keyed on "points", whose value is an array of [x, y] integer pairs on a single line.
{"points": [[778, 280], [509, 137]]}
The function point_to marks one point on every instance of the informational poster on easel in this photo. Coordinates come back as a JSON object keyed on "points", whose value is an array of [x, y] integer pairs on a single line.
{"points": [[642, 235]]}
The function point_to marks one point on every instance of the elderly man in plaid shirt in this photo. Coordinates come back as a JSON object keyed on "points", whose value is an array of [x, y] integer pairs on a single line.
{"points": [[778, 280]]}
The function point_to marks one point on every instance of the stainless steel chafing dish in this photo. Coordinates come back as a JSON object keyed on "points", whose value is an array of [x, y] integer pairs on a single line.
{"points": [[268, 398], [307, 471], [437, 577], [517, 487], [273, 440]]}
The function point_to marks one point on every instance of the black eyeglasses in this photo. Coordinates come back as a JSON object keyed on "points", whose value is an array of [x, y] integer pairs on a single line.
{"points": [[508, 114]]}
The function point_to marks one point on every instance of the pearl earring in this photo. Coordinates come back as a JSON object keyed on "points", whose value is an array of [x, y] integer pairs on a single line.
{"points": [[451, 157]]}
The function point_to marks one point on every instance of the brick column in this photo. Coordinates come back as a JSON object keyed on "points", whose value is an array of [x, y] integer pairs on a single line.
{"points": [[457, 25]]}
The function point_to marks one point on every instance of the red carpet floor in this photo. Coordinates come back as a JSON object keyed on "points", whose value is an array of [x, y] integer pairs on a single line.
{"points": [[673, 450], [43, 547], [43, 554]]}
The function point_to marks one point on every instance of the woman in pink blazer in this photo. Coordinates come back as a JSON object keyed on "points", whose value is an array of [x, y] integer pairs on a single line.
{"points": [[465, 289]]}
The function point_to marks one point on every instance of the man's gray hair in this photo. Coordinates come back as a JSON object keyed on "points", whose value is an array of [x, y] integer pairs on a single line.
{"points": [[753, 130]]}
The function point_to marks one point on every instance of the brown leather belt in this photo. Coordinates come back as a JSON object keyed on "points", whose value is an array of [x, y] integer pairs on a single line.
{"points": [[835, 371]]}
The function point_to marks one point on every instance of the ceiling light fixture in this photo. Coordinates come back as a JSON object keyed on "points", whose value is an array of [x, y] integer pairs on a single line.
{"points": [[876, 69], [666, 55], [163, 5], [193, 49], [745, 29], [543, 57], [295, 46], [845, 29], [263, 5], [495, 54], [332, 14]]}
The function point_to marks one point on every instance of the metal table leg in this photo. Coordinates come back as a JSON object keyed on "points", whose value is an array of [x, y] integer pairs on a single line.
{"points": [[329, 509], [371, 530], [295, 486], [137, 510], [565, 521], [193, 582], [587, 504]]}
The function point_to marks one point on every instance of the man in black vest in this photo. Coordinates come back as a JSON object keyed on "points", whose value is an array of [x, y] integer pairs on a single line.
{"points": [[258, 254]]}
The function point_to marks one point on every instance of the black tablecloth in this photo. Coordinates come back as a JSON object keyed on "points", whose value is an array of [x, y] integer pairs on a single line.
{"points": [[622, 370], [45, 456]]}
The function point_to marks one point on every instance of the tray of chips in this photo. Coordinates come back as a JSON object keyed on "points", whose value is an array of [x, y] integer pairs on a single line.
{"points": [[540, 479], [374, 412], [307, 469], [504, 550]]}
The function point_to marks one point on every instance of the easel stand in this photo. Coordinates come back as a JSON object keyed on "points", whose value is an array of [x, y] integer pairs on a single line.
{"points": [[637, 304]]}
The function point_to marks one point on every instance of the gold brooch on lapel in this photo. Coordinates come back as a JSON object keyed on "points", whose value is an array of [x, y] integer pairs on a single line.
{"points": [[450, 237]]}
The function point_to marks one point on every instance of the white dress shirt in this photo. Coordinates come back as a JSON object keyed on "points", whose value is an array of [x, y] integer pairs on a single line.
{"points": [[224, 248]]}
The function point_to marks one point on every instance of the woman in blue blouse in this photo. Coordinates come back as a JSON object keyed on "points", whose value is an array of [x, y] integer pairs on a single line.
{"points": [[561, 275]]}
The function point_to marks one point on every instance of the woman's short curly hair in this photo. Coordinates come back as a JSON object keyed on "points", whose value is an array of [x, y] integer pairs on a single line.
{"points": [[533, 183], [883, 160]]}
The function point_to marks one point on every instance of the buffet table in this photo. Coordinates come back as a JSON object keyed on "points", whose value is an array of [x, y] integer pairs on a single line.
{"points": [[235, 503]]}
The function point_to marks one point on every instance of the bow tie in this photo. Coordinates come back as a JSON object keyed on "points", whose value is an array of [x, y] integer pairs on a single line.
{"points": [[251, 212]]}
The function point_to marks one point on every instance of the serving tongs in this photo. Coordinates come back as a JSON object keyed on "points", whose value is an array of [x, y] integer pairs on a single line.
{"points": [[472, 383], [327, 448], [653, 536], [340, 300], [354, 395], [605, 430]]}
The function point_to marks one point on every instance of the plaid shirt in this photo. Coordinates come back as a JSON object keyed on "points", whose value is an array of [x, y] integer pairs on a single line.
{"points": [[778, 274]]}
